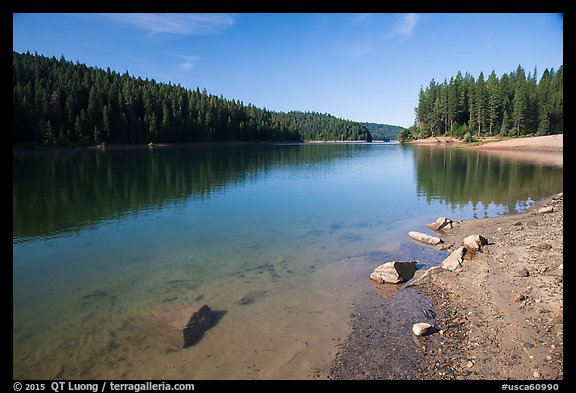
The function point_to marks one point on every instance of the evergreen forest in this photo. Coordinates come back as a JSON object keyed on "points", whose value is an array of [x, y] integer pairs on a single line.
{"points": [[383, 132], [58, 102], [514, 104]]}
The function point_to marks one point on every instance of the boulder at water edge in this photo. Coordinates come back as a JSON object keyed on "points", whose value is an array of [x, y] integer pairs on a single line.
{"points": [[424, 238], [441, 223], [394, 272]]}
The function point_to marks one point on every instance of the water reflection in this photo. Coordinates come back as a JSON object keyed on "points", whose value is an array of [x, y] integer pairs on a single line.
{"points": [[66, 191], [458, 177], [62, 192]]}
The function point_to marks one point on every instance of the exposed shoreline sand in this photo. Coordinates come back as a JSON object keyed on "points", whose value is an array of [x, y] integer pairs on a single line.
{"points": [[501, 317], [546, 149]]}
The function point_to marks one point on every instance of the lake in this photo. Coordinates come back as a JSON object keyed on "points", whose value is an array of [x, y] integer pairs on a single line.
{"points": [[104, 239]]}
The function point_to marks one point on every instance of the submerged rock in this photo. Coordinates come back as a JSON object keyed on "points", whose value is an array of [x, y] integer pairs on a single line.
{"points": [[198, 323], [424, 238], [394, 272], [251, 296], [176, 326]]}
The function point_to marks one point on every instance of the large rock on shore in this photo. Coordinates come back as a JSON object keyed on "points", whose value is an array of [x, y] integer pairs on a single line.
{"points": [[441, 223], [455, 259], [475, 242], [424, 238], [394, 272]]}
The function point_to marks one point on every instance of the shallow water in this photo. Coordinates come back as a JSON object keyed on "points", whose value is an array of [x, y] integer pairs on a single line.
{"points": [[103, 239]]}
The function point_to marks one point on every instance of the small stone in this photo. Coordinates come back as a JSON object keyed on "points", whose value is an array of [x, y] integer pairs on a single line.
{"points": [[518, 298], [547, 209], [470, 364], [536, 374], [522, 272], [421, 329]]}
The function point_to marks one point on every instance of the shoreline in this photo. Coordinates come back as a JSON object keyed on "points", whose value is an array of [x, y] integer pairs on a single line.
{"points": [[502, 314], [546, 143], [501, 317], [121, 146]]}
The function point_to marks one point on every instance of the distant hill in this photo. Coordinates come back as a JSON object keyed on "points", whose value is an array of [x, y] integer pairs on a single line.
{"points": [[383, 131]]}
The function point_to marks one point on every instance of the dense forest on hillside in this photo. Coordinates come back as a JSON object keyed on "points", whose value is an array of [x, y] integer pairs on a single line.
{"points": [[512, 105], [58, 102], [383, 131]]}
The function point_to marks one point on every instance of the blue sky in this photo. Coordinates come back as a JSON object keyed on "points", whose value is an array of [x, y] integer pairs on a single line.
{"points": [[362, 67]]}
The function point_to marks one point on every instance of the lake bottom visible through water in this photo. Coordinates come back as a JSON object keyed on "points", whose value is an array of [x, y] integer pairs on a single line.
{"points": [[280, 320]]}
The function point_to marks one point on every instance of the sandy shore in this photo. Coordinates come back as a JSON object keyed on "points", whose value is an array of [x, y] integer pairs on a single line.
{"points": [[546, 143], [437, 140], [501, 317], [551, 143], [542, 149]]}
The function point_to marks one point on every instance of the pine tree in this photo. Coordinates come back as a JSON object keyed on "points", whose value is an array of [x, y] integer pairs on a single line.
{"points": [[493, 101], [520, 106]]}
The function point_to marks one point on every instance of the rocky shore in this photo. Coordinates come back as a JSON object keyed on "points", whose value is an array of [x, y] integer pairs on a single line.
{"points": [[501, 317], [498, 317]]}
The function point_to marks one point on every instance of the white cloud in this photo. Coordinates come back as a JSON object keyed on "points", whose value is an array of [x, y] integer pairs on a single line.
{"points": [[184, 24], [188, 63], [405, 27], [186, 66]]}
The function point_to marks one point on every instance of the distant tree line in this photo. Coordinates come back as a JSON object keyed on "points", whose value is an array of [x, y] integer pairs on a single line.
{"points": [[512, 105], [383, 131], [58, 102]]}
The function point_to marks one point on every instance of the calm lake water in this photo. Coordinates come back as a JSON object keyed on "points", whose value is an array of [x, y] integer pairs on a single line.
{"points": [[102, 240]]}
